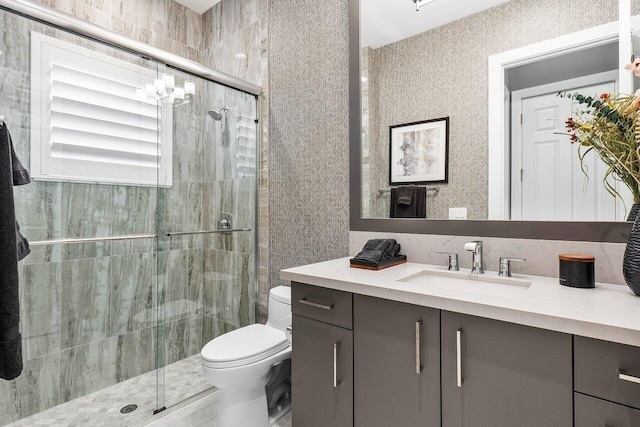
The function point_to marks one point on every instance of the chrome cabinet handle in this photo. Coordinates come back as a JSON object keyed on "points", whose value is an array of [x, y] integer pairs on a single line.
{"points": [[459, 357], [317, 305], [622, 375], [336, 354], [418, 355]]}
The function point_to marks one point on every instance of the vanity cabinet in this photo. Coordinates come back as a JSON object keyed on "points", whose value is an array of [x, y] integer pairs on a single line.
{"points": [[396, 364], [502, 374], [607, 370], [322, 357], [593, 412], [367, 362], [607, 383]]}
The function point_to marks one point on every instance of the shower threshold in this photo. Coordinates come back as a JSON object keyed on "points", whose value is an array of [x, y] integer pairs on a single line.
{"points": [[183, 379]]}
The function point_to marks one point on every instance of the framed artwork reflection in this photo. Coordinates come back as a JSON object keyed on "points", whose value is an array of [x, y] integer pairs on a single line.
{"points": [[419, 152]]}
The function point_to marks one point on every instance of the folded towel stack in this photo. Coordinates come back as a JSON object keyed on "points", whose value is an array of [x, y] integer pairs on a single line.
{"points": [[377, 250]]}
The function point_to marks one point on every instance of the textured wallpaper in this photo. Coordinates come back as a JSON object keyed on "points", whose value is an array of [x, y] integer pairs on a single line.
{"points": [[309, 146], [443, 72]]}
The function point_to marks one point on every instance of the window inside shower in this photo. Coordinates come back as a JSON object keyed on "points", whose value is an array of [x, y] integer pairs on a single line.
{"points": [[127, 279]]}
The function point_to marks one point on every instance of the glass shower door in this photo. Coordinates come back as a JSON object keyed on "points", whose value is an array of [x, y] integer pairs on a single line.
{"points": [[84, 124], [209, 285]]}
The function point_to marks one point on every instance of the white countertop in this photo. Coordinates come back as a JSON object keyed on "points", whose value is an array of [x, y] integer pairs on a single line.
{"points": [[608, 312]]}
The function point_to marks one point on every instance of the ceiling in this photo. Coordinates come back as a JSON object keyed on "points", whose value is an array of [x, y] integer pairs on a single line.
{"points": [[199, 6], [387, 21]]}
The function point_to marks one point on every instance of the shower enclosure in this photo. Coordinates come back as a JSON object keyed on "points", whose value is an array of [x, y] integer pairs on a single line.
{"points": [[142, 220]]}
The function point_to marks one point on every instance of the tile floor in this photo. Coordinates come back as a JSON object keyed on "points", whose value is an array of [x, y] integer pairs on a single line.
{"points": [[199, 413], [183, 379], [102, 408]]}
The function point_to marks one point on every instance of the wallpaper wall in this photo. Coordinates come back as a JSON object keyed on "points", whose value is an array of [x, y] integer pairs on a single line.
{"points": [[443, 72], [309, 143]]}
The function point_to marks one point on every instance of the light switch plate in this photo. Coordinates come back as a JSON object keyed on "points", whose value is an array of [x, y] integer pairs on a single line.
{"points": [[457, 213]]}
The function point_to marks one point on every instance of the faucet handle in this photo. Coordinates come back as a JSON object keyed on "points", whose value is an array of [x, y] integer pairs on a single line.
{"points": [[453, 260], [504, 269]]}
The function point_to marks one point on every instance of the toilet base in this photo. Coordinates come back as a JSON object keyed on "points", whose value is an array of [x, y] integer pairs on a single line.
{"points": [[281, 411], [247, 407]]}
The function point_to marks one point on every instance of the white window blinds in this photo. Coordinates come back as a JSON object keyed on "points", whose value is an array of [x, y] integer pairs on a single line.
{"points": [[89, 123]]}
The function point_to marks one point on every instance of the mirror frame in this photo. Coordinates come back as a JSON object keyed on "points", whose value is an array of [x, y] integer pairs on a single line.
{"points": [[597, 231]]}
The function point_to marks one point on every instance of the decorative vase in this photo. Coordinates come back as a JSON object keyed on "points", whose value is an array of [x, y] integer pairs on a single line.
{"points": [[631, 262], [633, 213]]}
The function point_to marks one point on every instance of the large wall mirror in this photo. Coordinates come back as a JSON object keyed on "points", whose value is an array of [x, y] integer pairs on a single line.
{"points": [[455, 108]]}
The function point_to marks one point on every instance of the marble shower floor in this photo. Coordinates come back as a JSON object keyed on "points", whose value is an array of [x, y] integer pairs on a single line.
{"points": [[102, 409]]}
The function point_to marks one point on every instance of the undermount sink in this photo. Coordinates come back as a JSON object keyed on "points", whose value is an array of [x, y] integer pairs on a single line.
{"points": [[484, 284]]}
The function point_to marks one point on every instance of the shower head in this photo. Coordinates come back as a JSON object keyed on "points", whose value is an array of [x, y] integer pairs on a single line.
{"points": [[217, 115]]}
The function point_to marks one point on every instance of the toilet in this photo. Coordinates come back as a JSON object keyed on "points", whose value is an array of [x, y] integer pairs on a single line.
{"points": [[251, 367]]}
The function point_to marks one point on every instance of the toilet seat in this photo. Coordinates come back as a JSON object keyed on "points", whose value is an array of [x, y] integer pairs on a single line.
{"points": [[243, 346]]}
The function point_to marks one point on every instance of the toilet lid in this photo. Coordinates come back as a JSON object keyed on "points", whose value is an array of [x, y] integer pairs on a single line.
{"points": [[244, 346]]}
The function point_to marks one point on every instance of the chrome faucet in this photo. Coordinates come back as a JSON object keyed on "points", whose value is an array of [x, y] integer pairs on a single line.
{"points": [[453, 260], [476, 248]]}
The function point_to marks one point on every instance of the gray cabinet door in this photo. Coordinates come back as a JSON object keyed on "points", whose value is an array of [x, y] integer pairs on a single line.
{"points": [[598, 366], [511, 375], [396, 371], [592, 412], [322, 374]]}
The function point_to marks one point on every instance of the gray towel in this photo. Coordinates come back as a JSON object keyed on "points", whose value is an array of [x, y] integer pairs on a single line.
{"points": [[20, 174], [20, 177], [22, 244], [10, 339], [406, 195], [376, 250], [417, 198]]}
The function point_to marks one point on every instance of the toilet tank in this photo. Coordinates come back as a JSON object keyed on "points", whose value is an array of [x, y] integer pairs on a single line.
{"points": [[279, 314]]}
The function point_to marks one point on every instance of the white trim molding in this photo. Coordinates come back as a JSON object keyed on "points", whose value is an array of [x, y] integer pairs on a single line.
{"points": [[498, 161]]}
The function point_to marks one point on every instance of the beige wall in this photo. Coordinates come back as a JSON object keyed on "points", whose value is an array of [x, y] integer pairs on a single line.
{"points": [[443, 72]]}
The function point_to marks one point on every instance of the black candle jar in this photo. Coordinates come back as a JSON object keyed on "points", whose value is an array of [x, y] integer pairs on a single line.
{"points": [[577, 270]]}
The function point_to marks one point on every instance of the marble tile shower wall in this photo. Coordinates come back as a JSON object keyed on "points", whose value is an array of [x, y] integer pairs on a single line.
{"points": [[89, 311], [235, 27], [162, 23]]}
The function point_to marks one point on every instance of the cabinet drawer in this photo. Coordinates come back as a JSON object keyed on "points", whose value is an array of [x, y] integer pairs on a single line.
{"points": [[592, 412], [325, 305], [600, 368]]}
